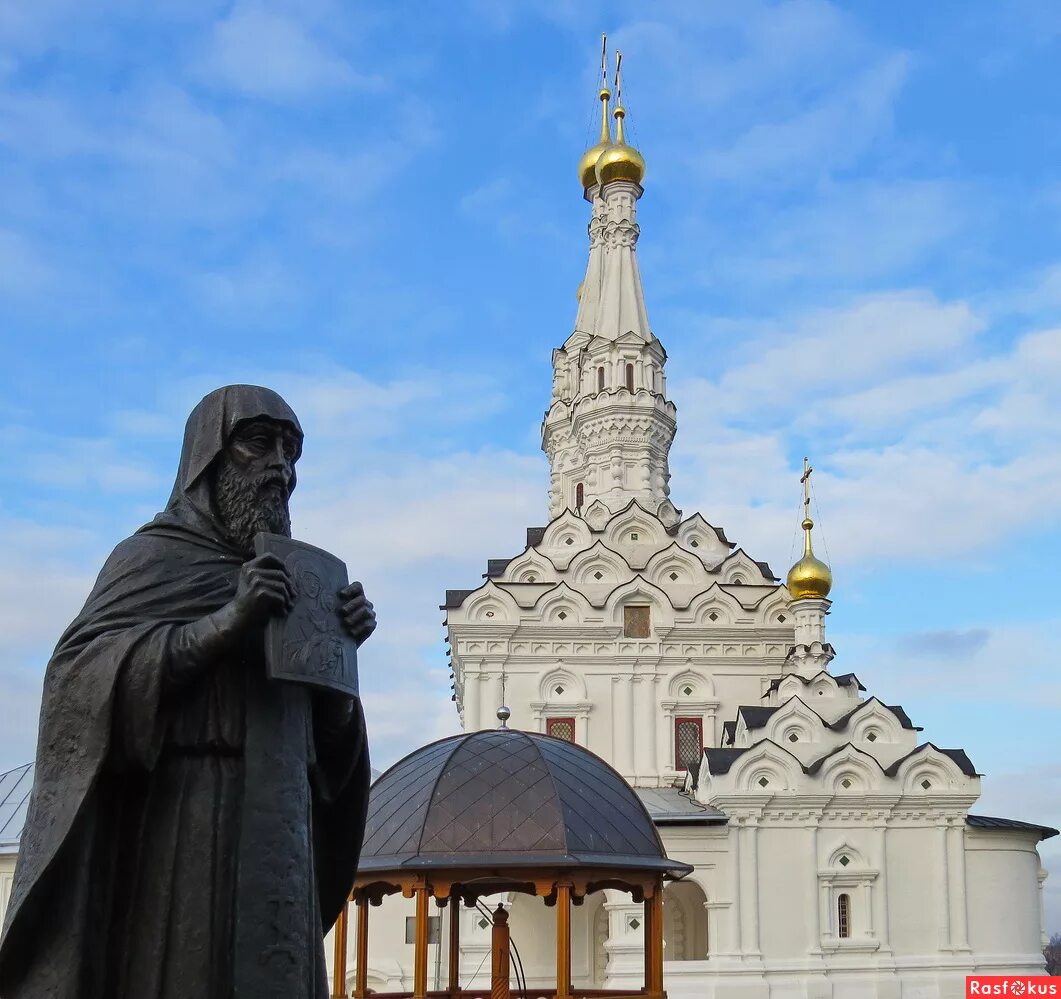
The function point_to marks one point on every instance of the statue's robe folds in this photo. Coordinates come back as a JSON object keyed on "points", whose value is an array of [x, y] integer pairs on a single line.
{"points": [[185, 839]]}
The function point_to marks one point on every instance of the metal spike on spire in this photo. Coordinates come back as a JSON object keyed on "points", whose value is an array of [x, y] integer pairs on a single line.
{"points": [[504, 712], [605, 94]]}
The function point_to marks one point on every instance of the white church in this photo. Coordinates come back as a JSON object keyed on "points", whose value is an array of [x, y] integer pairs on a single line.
{"points": [[833, 848]]}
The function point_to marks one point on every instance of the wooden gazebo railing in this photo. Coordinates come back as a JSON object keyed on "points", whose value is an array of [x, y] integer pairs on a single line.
{"points": [[560, 888]]}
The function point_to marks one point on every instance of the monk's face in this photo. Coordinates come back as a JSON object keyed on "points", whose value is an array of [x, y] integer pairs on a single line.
{"points": [[265, 449], [253, 480]]}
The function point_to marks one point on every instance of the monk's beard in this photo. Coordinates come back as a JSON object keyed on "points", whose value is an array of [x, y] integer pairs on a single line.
{"points": [[248, 505]]}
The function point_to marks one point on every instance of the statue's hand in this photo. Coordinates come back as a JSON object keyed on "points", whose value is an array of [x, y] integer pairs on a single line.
{"points": [[359, 618], [264, 590]]}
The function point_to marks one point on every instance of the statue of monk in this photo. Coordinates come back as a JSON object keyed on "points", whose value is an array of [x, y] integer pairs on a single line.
{"points": [[194, 826]]}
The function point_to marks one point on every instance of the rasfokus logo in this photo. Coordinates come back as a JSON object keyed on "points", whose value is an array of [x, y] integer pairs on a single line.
{"points": [[1020, 986]]}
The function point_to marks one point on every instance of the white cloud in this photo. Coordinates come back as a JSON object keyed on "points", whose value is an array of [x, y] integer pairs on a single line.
{"points": [[848, 232], [23, 270], [262, 53], [772, 95], [817, 140], [950, 668], [931, 438]]}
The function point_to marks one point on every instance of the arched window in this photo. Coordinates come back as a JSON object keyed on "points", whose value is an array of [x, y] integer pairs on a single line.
{"points": [[629, 378], [580, 496], [843, 915], [600, 379]]}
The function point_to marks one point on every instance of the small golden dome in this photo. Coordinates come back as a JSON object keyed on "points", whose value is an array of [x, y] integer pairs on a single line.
{"points": [[620, 161], [587, 165], [810, 576]]}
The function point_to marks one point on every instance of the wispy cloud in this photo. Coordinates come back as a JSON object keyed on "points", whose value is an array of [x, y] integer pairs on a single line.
{"points": [[921, 426], [262, 53]]}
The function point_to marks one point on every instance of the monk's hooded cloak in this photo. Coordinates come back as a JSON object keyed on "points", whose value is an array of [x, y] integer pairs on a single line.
{"points": [[194, 828]]}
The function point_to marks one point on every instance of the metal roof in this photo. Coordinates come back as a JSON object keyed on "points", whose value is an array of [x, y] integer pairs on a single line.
{"points": [[990, 822], [842, 679], [15, 786], [669, 806], [507, 798]]}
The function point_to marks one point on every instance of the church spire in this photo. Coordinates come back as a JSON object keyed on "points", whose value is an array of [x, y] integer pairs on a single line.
{"points": [[810, 576], [809, 582], [609, 428]]}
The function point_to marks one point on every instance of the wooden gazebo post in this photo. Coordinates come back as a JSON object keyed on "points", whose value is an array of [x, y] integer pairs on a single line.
{"points": [[420, 956], [361, 971], [654, 941], [563, 940], [499, 956], [339, 955]]}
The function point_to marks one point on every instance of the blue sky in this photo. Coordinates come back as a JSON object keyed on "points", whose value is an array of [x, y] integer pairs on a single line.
{"points": [[851, 248]]}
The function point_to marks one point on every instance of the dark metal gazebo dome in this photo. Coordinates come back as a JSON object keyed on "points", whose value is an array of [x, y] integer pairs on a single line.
{"points": [[506, 798], [505, 811]]}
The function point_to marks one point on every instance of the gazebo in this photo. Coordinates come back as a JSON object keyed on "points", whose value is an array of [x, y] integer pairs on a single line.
{"points": [[506, 811]]}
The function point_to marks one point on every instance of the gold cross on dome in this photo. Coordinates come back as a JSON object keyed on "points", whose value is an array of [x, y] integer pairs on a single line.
{"points": [[805, 480]]}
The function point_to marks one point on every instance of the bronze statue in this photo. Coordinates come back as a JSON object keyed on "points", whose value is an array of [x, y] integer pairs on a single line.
{"points": [[194, 826]]}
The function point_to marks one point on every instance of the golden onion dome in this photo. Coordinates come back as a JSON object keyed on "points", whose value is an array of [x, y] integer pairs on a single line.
{"points": [[810, 577], [620, 161], [587, 165]]}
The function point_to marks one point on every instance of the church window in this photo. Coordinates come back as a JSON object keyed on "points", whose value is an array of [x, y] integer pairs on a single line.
{"points": [[532, 578], [845, 783], [843, 916], [687, 690], [635, 536], [688, 741], [763, 782], [737, 581], [598, 574], [600, 379], [561, 728], [926, 783], [637, 622], [562, 615], [630, 378], [489, 613], [694, 543], [780, 618], [580, 498], [792, 737], [713, 616], [844, 860], [559, 688], [673, 576], [871, 736], [569, 541]]}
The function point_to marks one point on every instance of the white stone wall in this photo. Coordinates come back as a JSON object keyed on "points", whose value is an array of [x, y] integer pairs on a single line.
{"points": [[551, 626], [7, 876], [1005, 913]]}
